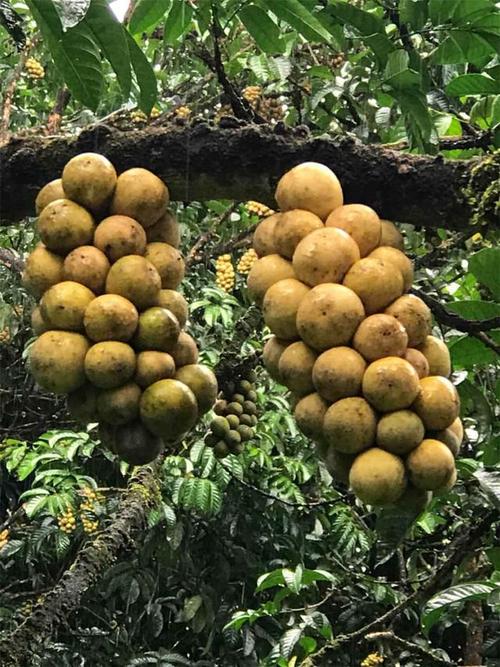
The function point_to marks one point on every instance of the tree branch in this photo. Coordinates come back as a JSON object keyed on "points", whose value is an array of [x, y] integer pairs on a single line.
{"points": [[202, 162], [414, 649]]}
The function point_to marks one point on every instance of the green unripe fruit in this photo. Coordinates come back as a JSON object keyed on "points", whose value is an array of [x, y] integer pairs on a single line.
{"points": [[255, 420], [252, 396], [251, 376], [250, 408], [235, 409], [233, 421], [246, 433], [238, 398], [246, 420], [232, 437], [221, 450], [220, 407], [245, 386], [237, 448], [219, 426]]}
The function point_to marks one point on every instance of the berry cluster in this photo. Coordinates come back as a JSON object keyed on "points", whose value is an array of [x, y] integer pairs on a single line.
{"points": [[373, 660], [252, 94], [236, 418], [338, 60], [256, 208], [138, 117], [271, 108], [34, 68], [225, 273], [182, 112], [247, 260], [67, 521], [5, 336], [4, 537]]}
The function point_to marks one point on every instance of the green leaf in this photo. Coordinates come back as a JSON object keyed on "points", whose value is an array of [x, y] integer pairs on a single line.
{"points": [[110, 35], [298, 17], [440, 12], [178, 21], [484, 265], [467, 352], [74, 52], [147, 13], [288, 641], [475, 310], [461, 46], [270, 580], [262, 28], [473, 84], [191, 606], [413, 12], [144, 74], [364, 22], [72, 12], [438, 604]]}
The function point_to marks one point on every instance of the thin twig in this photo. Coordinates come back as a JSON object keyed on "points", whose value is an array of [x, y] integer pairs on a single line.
{"points": [[412, 647]]}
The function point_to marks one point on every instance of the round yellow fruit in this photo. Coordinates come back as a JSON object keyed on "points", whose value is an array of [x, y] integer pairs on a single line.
{"points": [[87, 265], [437, 404], [110, 317], [176, 303], [292, 228], [49, 193], [360, 222], [158, 329], [438, 356], [42, 270], [185, 350], [166, 230], [380, 336], [399, 432], [377, 283], [267, 271], [38, 324], [458, 429], [378, 477], [168, 409], [202, 382], [430, 465], [63, 305], [328, 315], [271, 354], [350, 425], [391, 236], [295, 368], [310, 186], [263, 237], [281, 303], [414, 315], [338, 373], [57, 361], [390, 384], [82, 404], [309, 413], [398, 259], [89, 179], [64, 225], [152, 366], [110, 364], [135, 444], [136, 279], [324, 256], [168, 262], [418, 361], [141, 195], [119, 235], [449, 438]]}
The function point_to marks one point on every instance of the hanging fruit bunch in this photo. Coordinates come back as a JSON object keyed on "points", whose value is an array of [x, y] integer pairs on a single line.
{"points": [[369, 381], [110, 323], [236, 418], [34, 68], [256, 208], [225, 275], [247, 260]]}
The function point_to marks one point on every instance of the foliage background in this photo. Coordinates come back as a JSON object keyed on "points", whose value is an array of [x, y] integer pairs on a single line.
{"points": [[260, 559]]}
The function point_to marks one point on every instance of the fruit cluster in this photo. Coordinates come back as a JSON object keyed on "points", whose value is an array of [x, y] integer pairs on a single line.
{"points": [[182, 112], [110, 321], [338, 59], [138, 117], [256, 208], [4, 537], [67, 521], [252, 95], [236, 418], [271, 108], [225, 274], [34, 68], [369, 380], [373, 660], [5, 336], [247, 260]]}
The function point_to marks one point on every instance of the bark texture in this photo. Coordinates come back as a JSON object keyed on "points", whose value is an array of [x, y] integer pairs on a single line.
{"points": [[243, 162]]}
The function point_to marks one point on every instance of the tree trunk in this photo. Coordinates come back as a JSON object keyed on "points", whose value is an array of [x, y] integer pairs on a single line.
{"points": [[202, 162]]}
